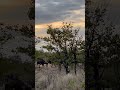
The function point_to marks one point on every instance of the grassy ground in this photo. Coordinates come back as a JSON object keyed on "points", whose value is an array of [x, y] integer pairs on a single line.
{"points": [[50, 78]]}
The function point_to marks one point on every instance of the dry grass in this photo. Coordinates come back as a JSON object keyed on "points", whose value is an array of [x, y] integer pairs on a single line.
{"points": [[50, 78]]}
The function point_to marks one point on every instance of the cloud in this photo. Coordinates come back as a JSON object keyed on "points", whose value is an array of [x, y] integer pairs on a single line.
{"points": [[54, 12], [40, 29], [48, 11]]}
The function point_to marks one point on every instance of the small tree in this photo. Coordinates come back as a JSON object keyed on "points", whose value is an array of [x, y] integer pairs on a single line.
{"points": [[66, 42]]}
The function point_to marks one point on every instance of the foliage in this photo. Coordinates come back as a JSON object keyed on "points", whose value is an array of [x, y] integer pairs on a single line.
{"points": [[101, 41], [16, 55], [31, 12], [66, 44]]}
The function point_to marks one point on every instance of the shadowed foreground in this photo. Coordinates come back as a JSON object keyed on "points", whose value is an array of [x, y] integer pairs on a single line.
{"points": [[50, 78]]}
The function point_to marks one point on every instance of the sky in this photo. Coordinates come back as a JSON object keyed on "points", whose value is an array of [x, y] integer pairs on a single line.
{"points": [[14, 11], [55, 12]]}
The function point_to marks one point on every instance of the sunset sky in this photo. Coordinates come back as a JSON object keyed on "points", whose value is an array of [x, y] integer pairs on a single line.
{"points": [[57, 11]]}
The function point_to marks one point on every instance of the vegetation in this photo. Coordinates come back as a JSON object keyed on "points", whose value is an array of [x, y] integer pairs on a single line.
{"points": [[52, 79], [65, 47], [16, 57], [17, 53], [102, 51]]}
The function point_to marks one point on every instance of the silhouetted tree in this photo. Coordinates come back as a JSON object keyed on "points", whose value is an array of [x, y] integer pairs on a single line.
{"points": [[100, 42], [66, 42], [31, 12]]}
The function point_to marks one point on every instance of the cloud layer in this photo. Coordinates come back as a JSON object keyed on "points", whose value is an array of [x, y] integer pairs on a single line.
{"points": [[57, 11], [48, 11]]}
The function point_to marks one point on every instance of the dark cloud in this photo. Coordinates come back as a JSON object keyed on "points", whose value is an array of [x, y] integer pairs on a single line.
{"points": [[48, 11]]}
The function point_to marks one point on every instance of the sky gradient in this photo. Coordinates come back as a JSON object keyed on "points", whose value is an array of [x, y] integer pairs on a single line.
{"points": [[57, 11]]}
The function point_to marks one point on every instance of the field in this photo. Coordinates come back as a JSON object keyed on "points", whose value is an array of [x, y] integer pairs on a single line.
{"points": [[50, 78]]}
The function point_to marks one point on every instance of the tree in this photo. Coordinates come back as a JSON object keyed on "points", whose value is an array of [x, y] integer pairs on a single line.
{"points": [[65, 41], [31, 12], [100, 42], [15, 43]]}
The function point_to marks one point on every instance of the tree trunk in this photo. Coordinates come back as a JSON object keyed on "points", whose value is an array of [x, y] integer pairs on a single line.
{"points": [[60, 67], [66, 62], [75, 69], [75, 61], [67, 70]]}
